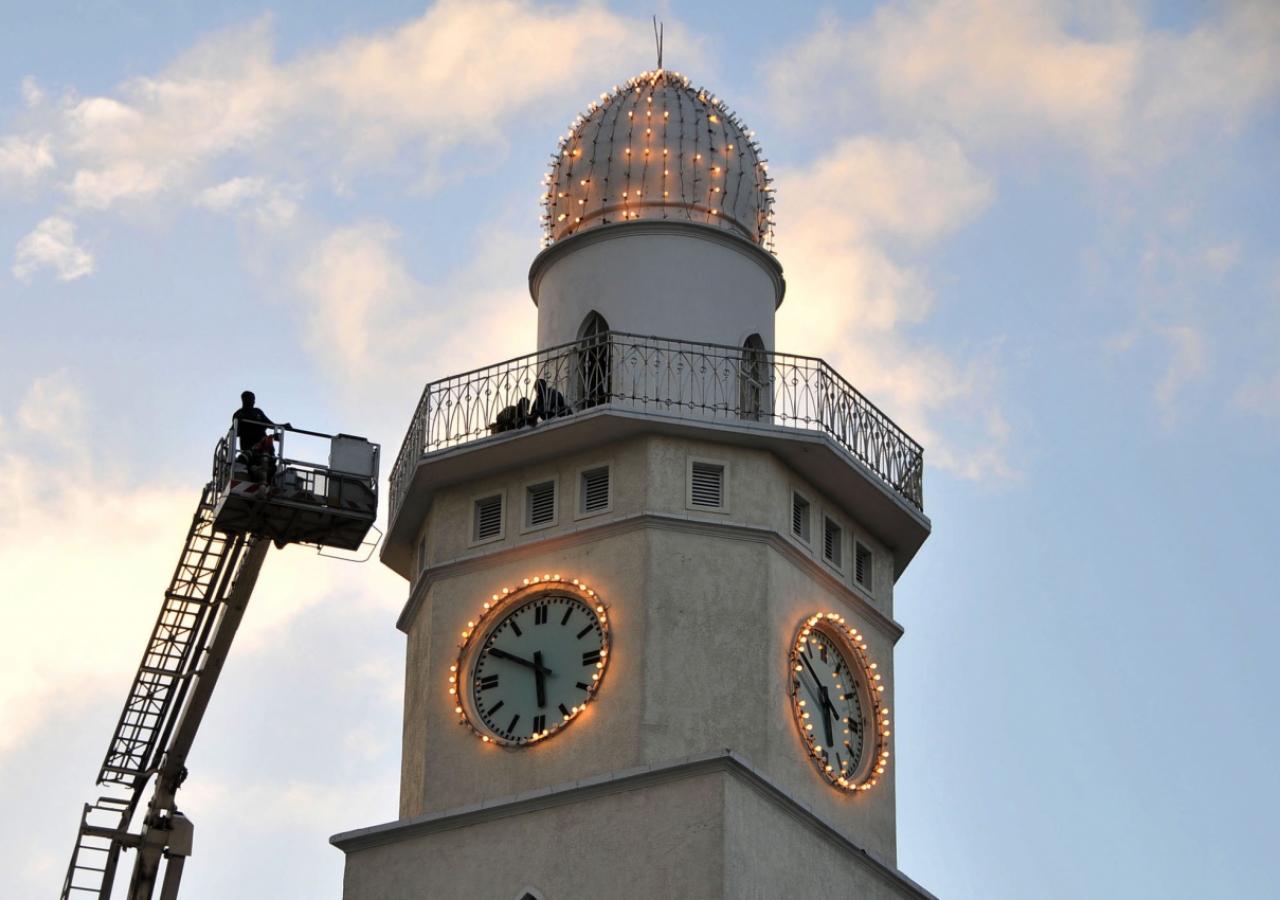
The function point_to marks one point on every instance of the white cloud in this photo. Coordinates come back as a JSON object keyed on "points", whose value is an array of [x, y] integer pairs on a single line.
{"points": [[850, 300], [1189, 358], [372, 321], [230, 194], [24, 160], [52, 245], [31, 91], [996, 71], [458, 73]]}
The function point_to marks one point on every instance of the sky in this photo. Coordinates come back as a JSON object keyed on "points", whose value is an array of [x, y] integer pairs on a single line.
{"points": [[1040, 234]]}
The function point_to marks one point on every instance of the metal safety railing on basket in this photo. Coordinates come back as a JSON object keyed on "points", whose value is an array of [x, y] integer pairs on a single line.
{"points": [[663, 377]]}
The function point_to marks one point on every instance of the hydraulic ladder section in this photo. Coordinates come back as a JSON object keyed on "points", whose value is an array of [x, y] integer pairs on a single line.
{"points": [[178, 648], [198, 585]]}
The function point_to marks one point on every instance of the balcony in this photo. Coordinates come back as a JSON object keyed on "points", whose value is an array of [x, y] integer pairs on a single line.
{"points": [[666, 380]]}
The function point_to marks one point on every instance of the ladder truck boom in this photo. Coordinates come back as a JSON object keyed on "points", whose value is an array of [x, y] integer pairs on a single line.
{"points": [[254, 499]]}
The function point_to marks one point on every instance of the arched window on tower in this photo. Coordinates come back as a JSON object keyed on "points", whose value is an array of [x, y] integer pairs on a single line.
{"points": [[753, 379], [595, 364]]}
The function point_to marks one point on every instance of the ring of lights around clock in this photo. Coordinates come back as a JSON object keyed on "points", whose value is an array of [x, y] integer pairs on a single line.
{"points": [[863, 773], [476, 677]]}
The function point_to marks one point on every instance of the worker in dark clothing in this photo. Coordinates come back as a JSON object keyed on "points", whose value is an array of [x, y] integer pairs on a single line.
{"points": [[256, 444]]}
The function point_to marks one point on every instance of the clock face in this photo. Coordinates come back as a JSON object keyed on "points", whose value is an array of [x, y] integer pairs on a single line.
{"points": [[834, 705], [532, 671]]}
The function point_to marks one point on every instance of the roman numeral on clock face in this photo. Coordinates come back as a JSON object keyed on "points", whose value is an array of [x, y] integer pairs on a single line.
{"points": [[489, 681], [539, 724], [539, 615], [591, 657]]}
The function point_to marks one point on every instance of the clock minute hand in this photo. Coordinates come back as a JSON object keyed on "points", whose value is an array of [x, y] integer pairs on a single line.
{"points": [[536, 665], [540, 679], [827, 710]]}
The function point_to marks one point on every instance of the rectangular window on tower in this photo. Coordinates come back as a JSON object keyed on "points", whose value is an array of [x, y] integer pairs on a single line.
{"points": [[800, 516], [540, 504], [707, 485], [488, 520], [862, 566], [595, 491], [832, 542]]}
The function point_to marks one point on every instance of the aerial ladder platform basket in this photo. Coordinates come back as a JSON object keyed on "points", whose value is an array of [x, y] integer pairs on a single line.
{"points": [[258, 496]]}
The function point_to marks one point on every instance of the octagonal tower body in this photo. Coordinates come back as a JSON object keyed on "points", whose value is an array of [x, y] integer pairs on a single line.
{"points": [[687, 775]]}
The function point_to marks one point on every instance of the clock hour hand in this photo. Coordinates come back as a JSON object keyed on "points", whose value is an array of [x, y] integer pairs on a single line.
{"points": [[827, 710], [536, 665]]}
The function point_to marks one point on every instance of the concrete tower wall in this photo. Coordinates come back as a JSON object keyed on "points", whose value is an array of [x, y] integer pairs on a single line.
{"points": [[703, 605]]}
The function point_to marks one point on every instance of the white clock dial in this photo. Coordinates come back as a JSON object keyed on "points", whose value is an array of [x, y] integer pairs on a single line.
{"points": [[534, 669], [832, 709], [834, 694]]}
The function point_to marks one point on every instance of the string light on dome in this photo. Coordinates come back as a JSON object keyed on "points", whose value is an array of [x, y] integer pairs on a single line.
{"points": [[740, 205]]}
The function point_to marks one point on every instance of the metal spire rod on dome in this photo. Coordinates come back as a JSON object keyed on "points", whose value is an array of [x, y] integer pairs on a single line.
{"points": [[657, 37]]}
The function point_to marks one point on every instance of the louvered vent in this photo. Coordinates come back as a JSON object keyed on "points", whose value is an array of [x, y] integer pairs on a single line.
{"points": [[862, 566], [831, 542], [706, 485], [540, 504], [489, 517], [800, 517], [595, 490]]}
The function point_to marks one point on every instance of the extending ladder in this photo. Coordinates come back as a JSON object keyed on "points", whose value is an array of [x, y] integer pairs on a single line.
{"points": [[181, 636], [103, 827]]}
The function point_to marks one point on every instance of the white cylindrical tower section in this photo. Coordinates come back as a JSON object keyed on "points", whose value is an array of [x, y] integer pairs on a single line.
{"points": [[658, 219], [669, 279]]}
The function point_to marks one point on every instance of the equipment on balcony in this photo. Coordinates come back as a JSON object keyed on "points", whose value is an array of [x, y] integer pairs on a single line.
{"points": [[256, 497]]}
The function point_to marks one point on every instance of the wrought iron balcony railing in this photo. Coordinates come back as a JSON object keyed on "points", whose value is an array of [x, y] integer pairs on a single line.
{"points": [[665, 378]]}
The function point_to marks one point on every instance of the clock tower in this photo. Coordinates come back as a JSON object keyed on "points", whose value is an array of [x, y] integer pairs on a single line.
{"points": [[651, 565]]}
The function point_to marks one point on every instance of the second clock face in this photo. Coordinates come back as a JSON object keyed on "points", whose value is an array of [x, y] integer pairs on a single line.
{"points": [[536, 667], [829, 703]]}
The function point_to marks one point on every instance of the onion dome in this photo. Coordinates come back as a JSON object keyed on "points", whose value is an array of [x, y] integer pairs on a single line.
{"points": [[658, 148]]}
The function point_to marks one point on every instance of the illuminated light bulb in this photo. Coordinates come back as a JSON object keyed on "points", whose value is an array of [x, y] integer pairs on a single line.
{"points": [[452, 679], [877, 678], [578, 219], [453, 690], [628, 151], [484, 738], [556, 577], [666, 171], [666, 193], [506, 590], [872, 666], [464, 634], [575, 581], [880, 687], [595, 676], [457, 709], [486, 606], [697, 156], [581, 202], [526, 581], [630, 114], [806, 728], [471, 624], [799, 668], [453, 668]]}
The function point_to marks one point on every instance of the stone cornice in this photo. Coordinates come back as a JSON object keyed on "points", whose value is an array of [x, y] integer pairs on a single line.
{"points": [[725, 761], [474, 562]]}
